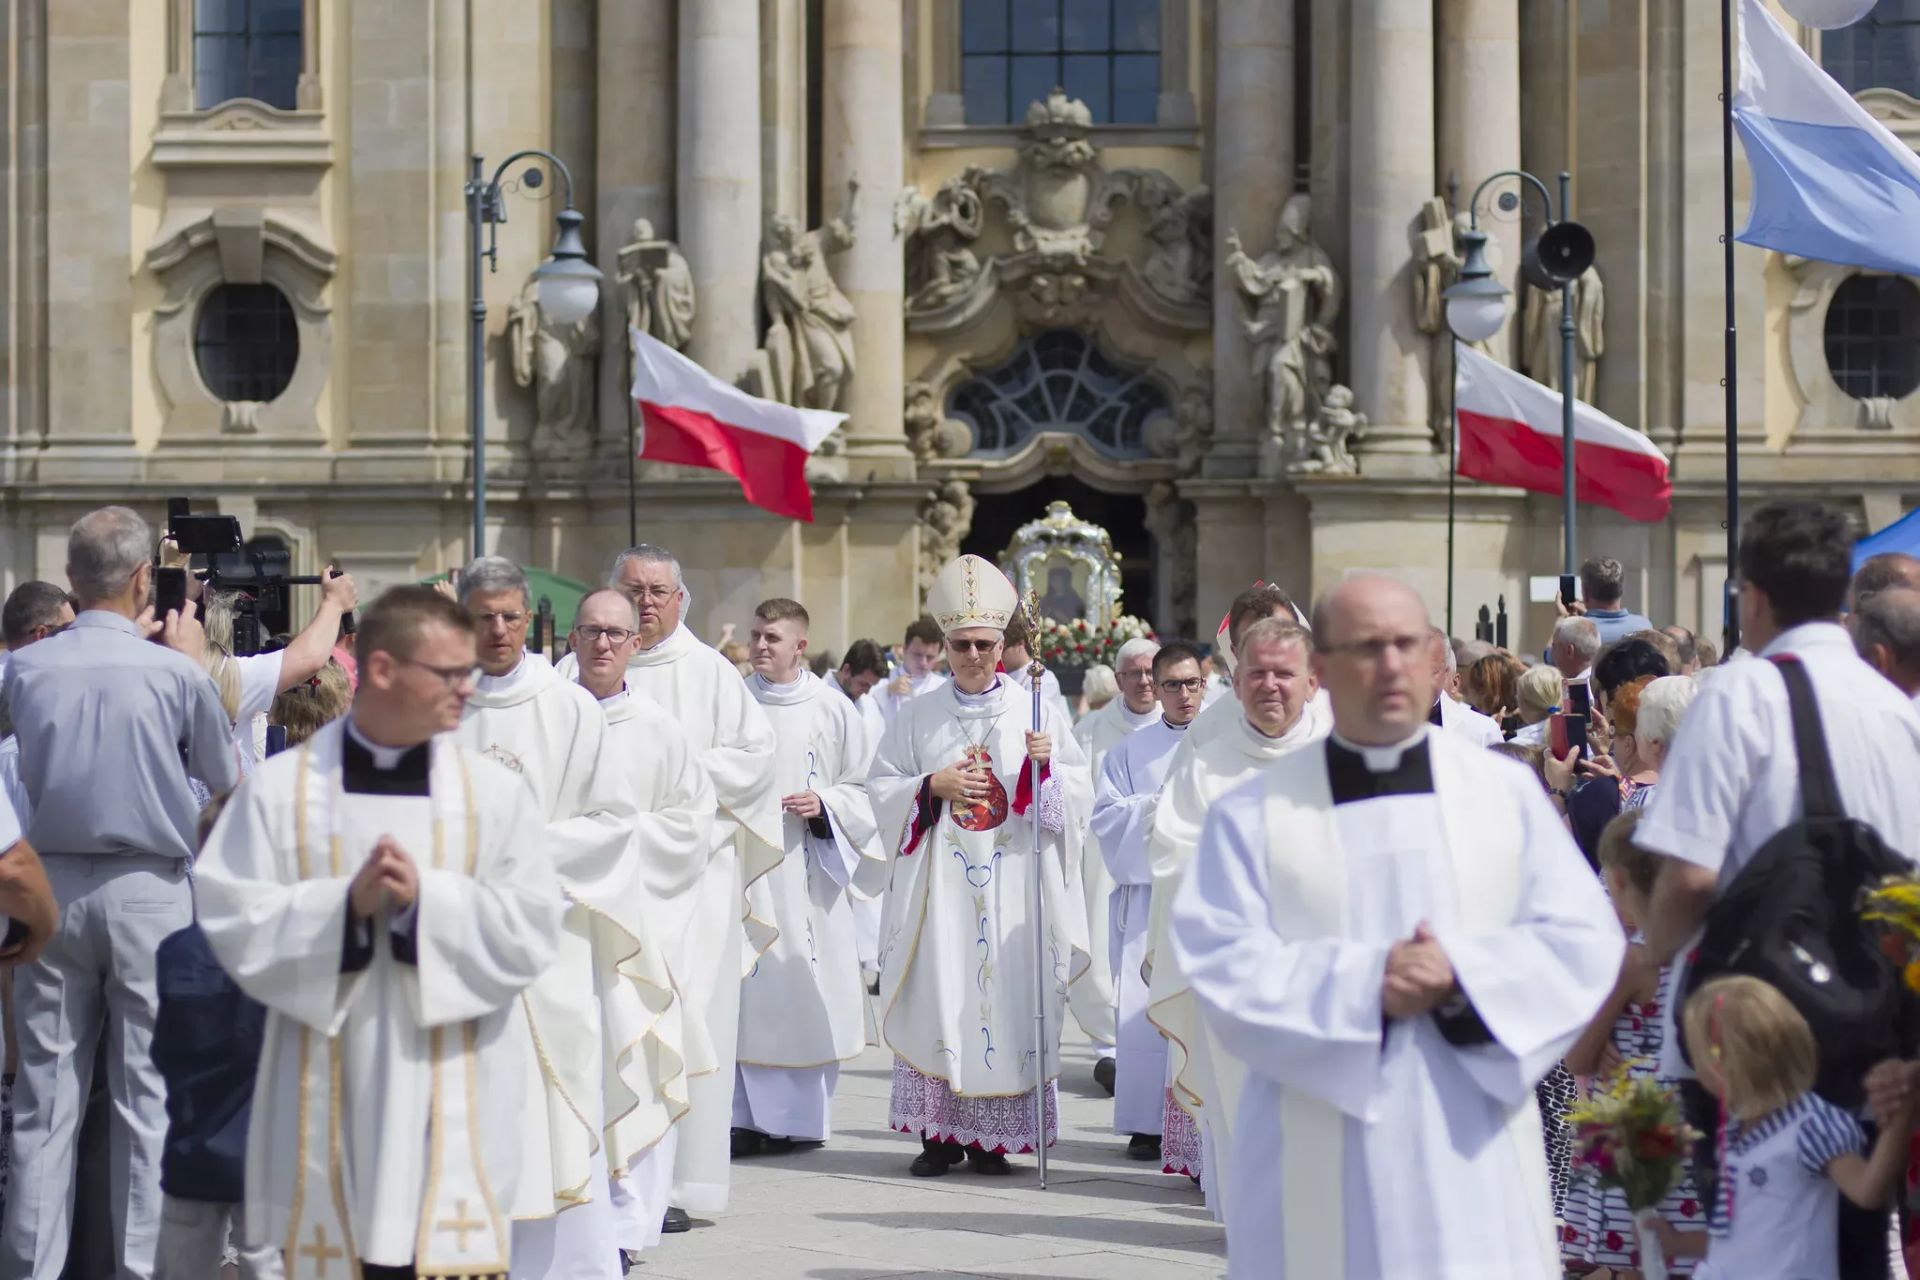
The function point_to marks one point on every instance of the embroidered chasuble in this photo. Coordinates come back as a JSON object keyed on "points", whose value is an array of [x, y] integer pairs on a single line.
{"points": [[1203, 1084], [1092, 998], [589, 1011], [956, 964], [803, 1007], [1375, 1149], [393, 1046]]}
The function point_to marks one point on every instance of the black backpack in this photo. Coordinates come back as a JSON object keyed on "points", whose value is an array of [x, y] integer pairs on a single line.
{"points": [[1791, 918]]}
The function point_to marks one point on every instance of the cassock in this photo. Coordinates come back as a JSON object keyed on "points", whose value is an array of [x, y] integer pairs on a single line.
{"points": [[673, 839], [1092, 998], [1370, 1147], [803, 1007], [706, 697], [1124, 800], [956, 960], [393, 1046], [1203, 1083]]}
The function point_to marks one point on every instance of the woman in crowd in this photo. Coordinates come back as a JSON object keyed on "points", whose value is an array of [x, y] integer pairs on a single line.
{"points": [[1491, 685], [1539, 691]]}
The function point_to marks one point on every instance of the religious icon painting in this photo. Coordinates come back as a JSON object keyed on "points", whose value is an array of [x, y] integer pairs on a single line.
{"points": [[984, 815]]}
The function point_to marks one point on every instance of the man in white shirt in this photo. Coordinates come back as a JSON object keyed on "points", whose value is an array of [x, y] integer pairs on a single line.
{"points": [[1019, 661], [265, 676], [1886, 632], [1572, 649], [34, 611], [918, 654], [1447, 712], [864, 667]]}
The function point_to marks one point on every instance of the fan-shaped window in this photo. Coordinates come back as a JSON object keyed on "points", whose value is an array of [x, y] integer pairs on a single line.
{"points": [[1873, 337], [246, 342], [1104, 52], [1058, 381], [1881, 51]]}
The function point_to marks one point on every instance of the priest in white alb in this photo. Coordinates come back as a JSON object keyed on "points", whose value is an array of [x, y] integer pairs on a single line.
{"points": [[386, 893], [1017, 660], [672, 835], [1394, 931], [587, 1019], [1092, 998], [1261, 600], [954, 793], [1126, 794], [706, 697], [1274, 689], [803, 1008]]}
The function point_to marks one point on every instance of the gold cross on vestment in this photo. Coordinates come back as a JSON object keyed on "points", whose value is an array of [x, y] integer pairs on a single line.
{"points": [[460, 1224], [320, 1251]]}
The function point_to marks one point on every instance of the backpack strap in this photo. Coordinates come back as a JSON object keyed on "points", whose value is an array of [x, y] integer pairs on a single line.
{"points": [[1819, 792]]}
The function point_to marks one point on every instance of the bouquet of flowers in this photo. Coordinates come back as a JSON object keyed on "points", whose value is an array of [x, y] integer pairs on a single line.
{"points": [[1080, 644], [1633, 1137], [1893, 909]]}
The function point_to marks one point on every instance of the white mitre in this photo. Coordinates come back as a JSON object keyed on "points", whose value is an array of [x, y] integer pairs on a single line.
{"points": [[971, 592]]}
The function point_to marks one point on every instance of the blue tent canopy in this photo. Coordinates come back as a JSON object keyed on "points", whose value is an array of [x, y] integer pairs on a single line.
{"points": [[1902, 535]]}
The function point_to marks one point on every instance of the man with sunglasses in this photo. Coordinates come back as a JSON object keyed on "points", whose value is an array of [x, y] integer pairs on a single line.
{"points": [[1125, 798]]}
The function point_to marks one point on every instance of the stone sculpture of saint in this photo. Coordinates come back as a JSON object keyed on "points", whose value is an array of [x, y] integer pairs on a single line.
{"points": [[810, 335], [657, 287], [556, 360], [1540, 334], [1291, 297]]}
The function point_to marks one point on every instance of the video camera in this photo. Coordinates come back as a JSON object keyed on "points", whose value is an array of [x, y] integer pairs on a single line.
{"points": [[259, 576]]}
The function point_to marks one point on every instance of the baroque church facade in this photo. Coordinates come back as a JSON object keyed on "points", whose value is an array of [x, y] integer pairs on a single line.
{"points": [[1174, 262]]}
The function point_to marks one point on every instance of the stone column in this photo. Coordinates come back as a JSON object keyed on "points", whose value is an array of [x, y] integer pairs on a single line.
{"points": [[1392, 143], [719, 176], [1332, 29], [1480, 118], [1253, 174], [862, 123]]}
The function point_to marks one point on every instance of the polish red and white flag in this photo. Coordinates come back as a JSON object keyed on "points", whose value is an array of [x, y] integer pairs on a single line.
{"points": [[690, 417], [1510, 434]]}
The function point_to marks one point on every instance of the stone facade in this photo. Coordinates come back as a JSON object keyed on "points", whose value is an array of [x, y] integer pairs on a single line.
{"points": [[1037, 300]]}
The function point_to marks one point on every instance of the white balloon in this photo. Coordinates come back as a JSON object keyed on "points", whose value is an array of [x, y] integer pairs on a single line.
{"points": [[1828, 14]]}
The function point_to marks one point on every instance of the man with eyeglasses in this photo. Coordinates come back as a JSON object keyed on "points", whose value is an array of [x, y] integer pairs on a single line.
{"points": [[33, 612], [706, 697], [1125, 797], [552, 733]]}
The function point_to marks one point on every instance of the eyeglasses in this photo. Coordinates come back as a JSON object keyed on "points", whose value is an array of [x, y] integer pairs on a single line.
{"points": [[452, 677], [1182, 686], [972, 646], [660, 594], [1408, 647], [615, 636], [1136, 677], [510, 619]]}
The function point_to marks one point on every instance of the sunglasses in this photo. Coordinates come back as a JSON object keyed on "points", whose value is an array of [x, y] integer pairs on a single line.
{"points": [[972, 646]]}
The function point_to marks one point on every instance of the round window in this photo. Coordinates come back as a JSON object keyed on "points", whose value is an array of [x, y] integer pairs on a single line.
{"points": [[1873, 337], [246, 342]]}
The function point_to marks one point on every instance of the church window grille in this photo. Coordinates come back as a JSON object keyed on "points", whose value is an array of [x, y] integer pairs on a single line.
{"points": [[246, 342], [1104, 52], [1873, 337], [1059, 381], [1881, 51], [247, 49]]}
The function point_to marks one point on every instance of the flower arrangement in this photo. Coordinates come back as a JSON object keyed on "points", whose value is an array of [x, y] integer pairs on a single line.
{"points": [[1080, 644], [1633, 1137], [1893, 909]]}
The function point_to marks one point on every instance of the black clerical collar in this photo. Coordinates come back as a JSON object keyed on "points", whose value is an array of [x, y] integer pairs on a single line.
{"points": [[1353, 779], [363, 773]]}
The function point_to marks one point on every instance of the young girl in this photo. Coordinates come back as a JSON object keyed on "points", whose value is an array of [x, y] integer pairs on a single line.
{"points": [[1597, 1227], [1787, 1153]]}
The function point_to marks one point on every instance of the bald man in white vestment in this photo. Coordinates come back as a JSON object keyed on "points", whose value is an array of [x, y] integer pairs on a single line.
{"points": [[1396, 934], [388, 895]]}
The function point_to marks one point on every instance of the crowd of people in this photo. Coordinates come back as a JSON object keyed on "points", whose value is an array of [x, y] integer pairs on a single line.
{"points": [[410, 952]]}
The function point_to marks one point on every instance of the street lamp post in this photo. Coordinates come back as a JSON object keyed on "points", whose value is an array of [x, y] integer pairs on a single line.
{"points": [[568, 289]]}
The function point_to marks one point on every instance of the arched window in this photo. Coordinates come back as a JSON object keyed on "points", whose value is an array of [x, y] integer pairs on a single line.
{"points": [[246, 49], [1058, 381], [1881, 51], [246, 342], [1873, 337], [1104, 52]]}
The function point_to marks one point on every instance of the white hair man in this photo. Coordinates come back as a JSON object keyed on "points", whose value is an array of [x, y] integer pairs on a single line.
{"points": [[1447, 711], [706, 697], [1393, 930], [104, 720], [1886, 632], [1575, 643], [1136, 707]]}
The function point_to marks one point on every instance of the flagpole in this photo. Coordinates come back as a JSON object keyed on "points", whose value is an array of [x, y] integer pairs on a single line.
{"points": [[1729, 603], [1567, 392]]}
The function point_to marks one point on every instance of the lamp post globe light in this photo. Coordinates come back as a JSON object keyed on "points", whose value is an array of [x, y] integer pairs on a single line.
{"points": [[1826, 15], [1477, 304], [566, 285]]}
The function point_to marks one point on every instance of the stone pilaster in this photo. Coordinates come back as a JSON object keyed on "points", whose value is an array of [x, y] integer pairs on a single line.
{"points": [[720, 227], [1332, 29], [1480, 119]]}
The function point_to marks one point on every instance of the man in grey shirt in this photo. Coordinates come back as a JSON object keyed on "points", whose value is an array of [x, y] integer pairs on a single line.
{"points": [[109, 727]]}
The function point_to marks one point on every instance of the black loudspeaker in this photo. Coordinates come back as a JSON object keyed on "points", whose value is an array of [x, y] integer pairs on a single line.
{"points": [[1561, 253]]}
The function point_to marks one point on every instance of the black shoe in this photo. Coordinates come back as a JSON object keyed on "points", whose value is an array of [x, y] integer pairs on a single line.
{"points": [[675, 1222], [1103, 1073], [935, 1159], [1143, 1146], [628, 1261], [747, 1142], [991, 1163]]}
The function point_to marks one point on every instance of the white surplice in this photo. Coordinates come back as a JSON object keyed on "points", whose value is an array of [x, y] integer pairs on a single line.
{"points": [[957, 957], [388, 1083], [1220, 752], [1371, 1149], [802, 1008], [1092, 998], [706, 697], [1470, 724], [1126, 794]]}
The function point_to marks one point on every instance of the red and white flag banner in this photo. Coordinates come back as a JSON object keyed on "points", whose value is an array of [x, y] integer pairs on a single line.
{"points": [[1510, 434], [690, 417]]}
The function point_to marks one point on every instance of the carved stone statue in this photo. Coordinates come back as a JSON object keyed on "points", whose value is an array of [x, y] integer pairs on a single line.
{"points": [[809, 338], [557, 361], [938, 231], [945, 519], [1328, 446], [1439, 253], [657, 287], [1540, 334], [930, 433], [1179, 263]]}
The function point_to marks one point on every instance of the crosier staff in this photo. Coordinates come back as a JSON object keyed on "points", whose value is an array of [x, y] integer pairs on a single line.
{"points": [[1036, 673]]}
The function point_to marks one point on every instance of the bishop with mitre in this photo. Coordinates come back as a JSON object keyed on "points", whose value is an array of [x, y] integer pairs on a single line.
{"points": [[386, 894], [953, 791]]}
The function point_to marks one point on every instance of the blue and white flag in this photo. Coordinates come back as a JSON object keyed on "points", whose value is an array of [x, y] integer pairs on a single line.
{"points": [[1829, 181]]}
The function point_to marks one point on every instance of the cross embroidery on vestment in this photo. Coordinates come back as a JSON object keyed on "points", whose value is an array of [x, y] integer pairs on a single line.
{"points": [[320, 1252], [460, 1224]]}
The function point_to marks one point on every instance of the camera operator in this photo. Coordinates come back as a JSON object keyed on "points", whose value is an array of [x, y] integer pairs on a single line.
{"points": [[104, 720]]}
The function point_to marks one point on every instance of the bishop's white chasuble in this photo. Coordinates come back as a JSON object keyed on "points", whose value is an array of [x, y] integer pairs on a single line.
{"points": [[1092, 998], [957, 953], [802, 1008], [1376, 1149], [376, 1132]]}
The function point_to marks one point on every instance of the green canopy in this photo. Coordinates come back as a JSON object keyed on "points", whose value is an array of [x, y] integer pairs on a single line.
{"points": [[564, 593]]}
